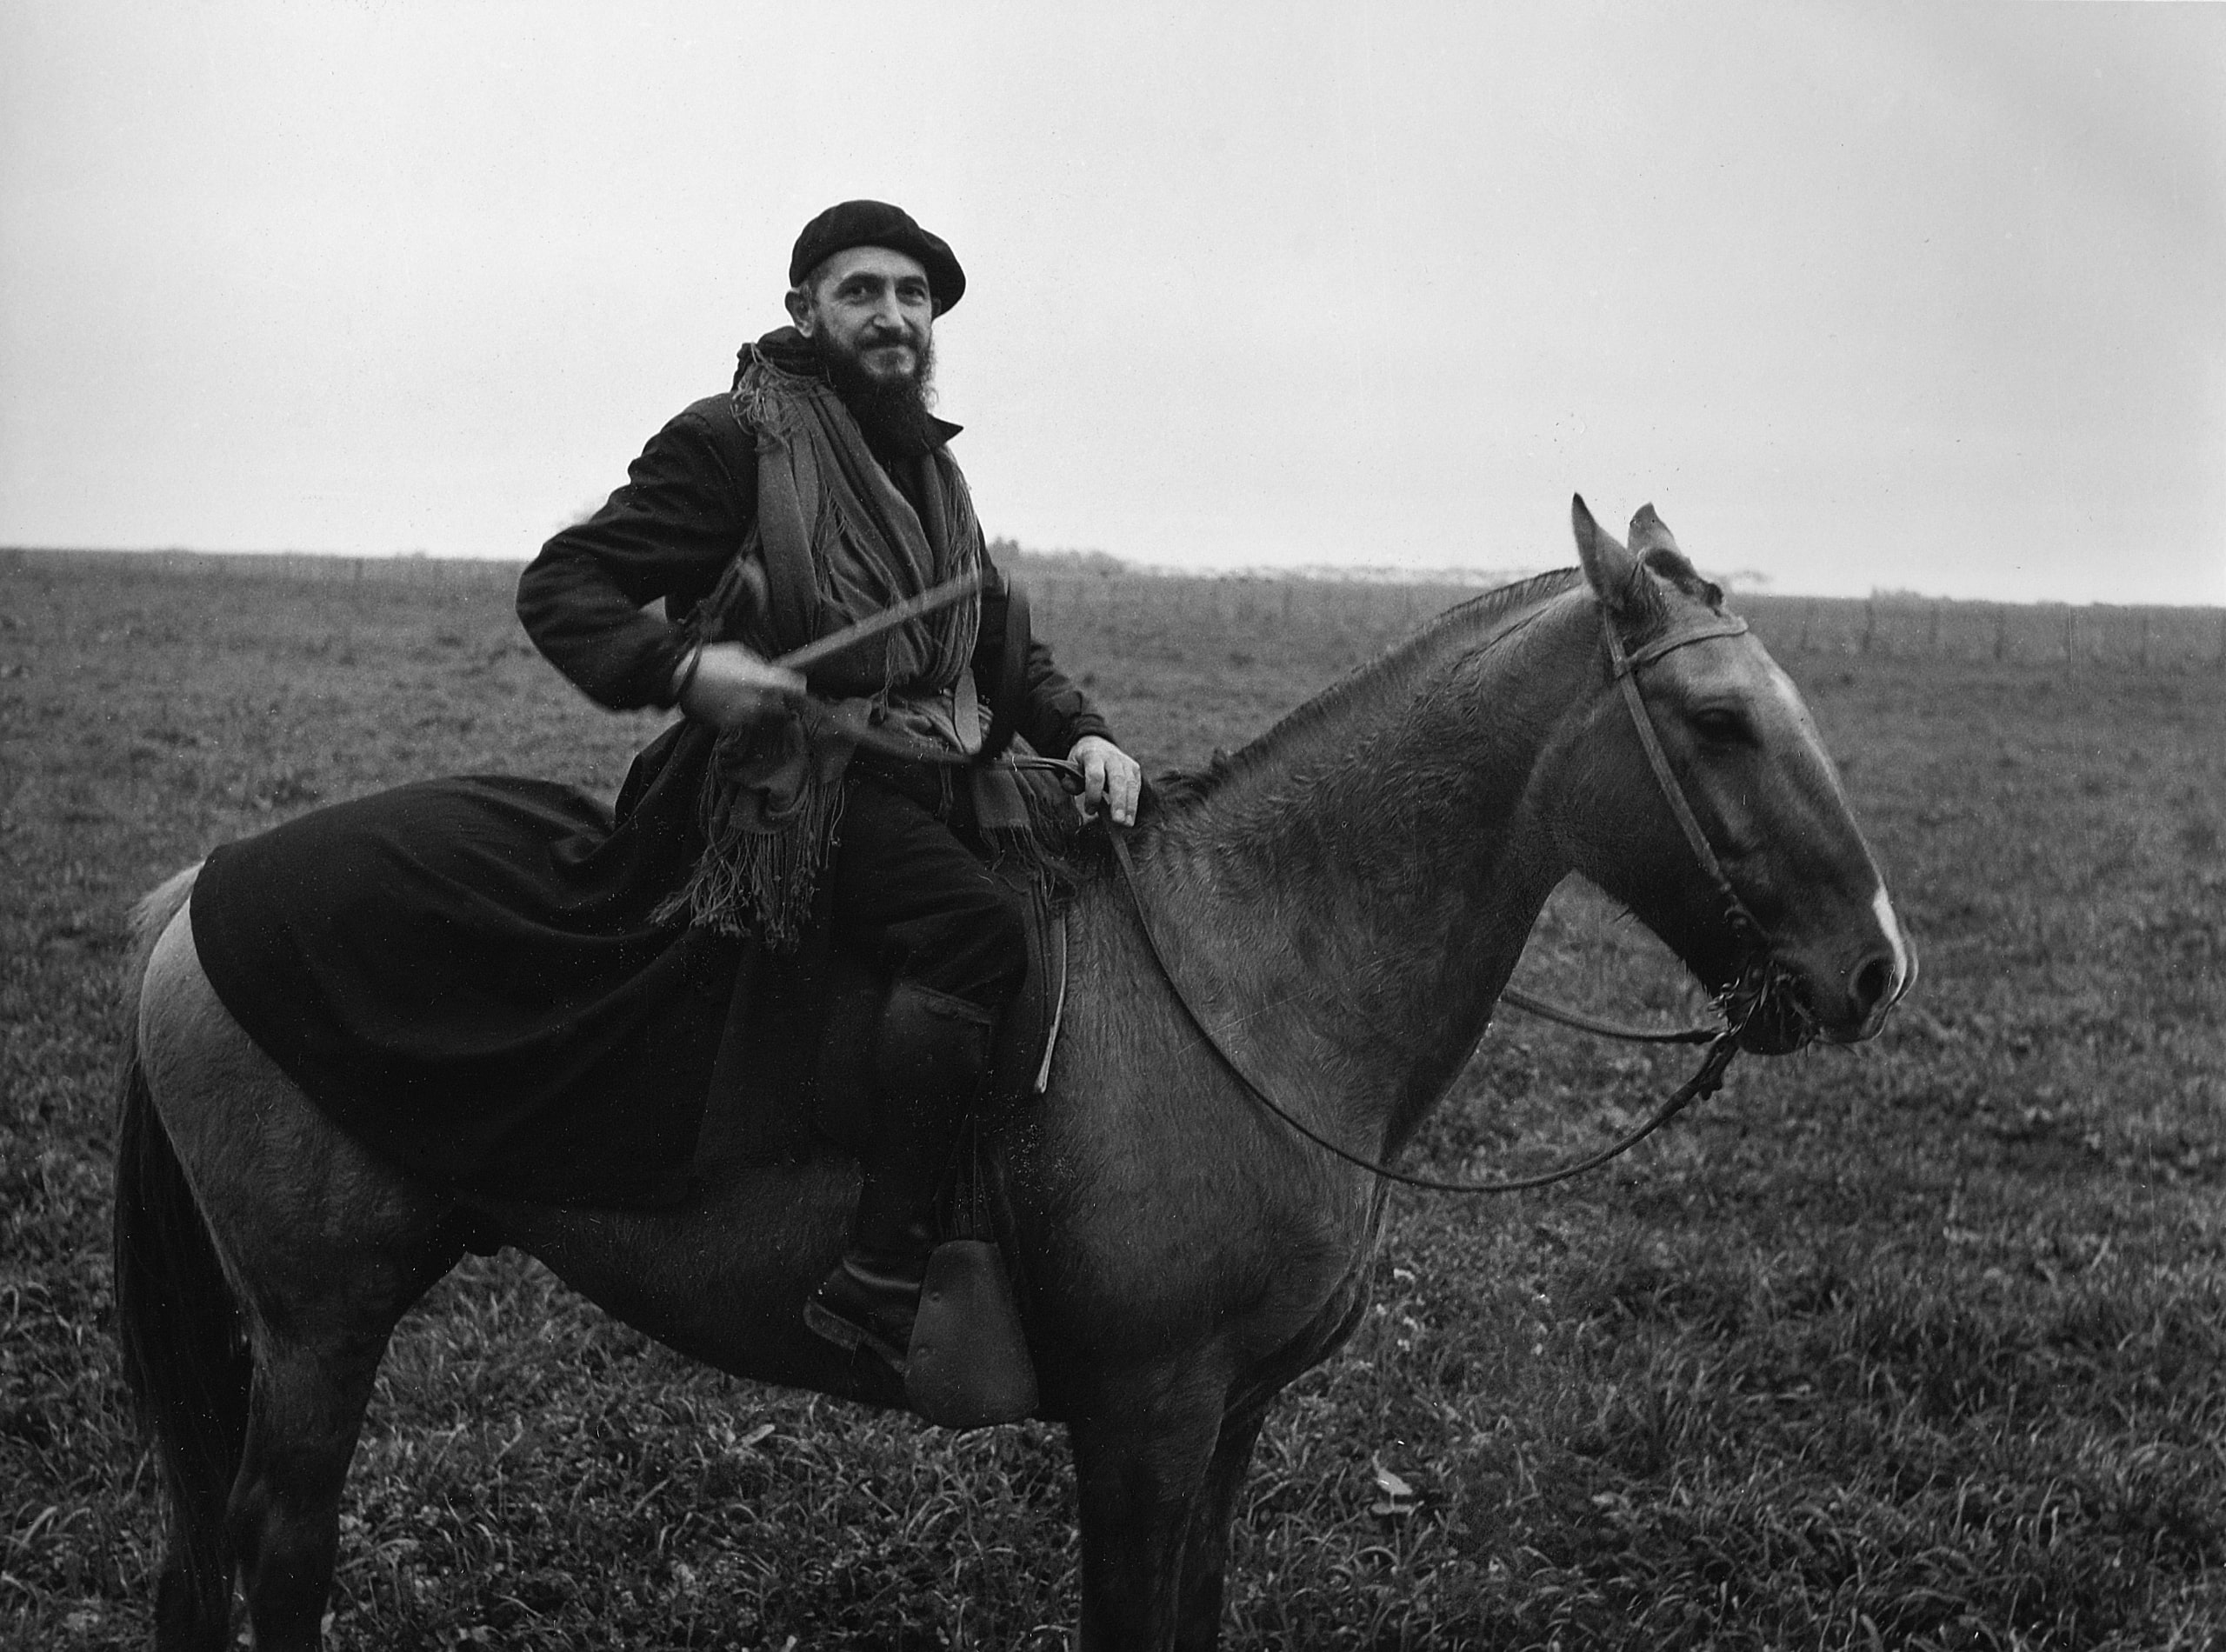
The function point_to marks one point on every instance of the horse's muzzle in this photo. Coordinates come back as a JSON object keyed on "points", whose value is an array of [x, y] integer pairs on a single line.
{"points": [[1778, 1026], [1770, 1007], [1793, 1006]]}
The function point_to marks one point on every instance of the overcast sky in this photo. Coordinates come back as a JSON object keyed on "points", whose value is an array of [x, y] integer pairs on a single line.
{"points": [[1866, 296]]}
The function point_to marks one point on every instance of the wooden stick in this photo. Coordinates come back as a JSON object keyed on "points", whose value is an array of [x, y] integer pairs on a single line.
{"points": [[873, 625]]}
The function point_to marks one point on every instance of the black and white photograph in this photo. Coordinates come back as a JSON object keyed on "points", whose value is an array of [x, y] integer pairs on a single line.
{"points": [[947, 827]]}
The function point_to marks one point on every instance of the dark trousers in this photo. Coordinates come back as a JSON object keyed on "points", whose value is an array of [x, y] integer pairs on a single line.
{"points": [[911, 893]]}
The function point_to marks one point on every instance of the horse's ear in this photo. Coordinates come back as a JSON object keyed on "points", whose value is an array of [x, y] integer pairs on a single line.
{"points": [[1650, 532], [1612, 570], [1656, 550]]}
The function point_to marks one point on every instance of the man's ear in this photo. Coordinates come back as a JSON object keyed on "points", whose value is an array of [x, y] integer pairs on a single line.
{"points": [[800, 312], [1611, 569]]}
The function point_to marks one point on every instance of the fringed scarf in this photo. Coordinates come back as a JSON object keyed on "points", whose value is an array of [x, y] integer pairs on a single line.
{"points": [[834, 542]]}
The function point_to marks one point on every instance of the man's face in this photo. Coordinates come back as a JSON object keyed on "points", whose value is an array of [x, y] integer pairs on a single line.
{"points": [[869, 306]]}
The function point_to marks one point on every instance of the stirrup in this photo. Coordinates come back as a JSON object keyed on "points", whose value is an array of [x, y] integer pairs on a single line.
{"points": [[969, 1365]]}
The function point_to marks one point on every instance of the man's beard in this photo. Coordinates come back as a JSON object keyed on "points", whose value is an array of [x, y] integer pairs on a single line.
{"points": [[892, 412]]}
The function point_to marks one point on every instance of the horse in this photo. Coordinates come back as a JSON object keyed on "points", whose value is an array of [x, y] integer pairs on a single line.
{"points": [[1354, 887]]}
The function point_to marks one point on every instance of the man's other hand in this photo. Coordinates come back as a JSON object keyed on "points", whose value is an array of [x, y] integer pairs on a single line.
{"points": [[733, 686], [1110, 777]]}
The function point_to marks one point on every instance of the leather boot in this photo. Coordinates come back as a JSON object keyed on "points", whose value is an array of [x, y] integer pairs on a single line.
{"points": [[929, 1057]]}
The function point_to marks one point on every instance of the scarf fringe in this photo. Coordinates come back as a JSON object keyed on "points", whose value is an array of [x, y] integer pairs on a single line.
{"points": [[753, 881], [772, 798]]}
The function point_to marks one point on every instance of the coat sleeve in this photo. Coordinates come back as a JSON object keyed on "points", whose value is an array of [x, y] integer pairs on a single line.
{"points": [[1054, 713], [668, 534]]}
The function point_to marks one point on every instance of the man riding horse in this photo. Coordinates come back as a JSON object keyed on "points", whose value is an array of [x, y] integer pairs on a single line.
{"points": [[817, 492]]}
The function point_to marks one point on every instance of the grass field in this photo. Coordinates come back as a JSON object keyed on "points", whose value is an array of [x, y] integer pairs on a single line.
{"points": [[1921, 1345]]}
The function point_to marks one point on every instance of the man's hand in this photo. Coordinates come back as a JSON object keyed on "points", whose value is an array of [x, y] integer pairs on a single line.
{"points": [[733, 686], [1111, 778]]}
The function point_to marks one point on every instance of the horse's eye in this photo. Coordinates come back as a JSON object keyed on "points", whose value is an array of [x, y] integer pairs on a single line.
{"points": [[1721, 725]]}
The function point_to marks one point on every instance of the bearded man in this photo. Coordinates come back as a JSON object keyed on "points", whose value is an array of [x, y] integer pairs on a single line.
{"points": [[817, 491]]}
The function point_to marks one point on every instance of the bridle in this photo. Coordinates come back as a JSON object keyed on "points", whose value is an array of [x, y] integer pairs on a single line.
{"points": [[1761, 980], [1756, 983], [1623, 668]]}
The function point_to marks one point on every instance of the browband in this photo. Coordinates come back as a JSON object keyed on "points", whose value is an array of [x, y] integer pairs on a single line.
{"points": [[1722, 625]]}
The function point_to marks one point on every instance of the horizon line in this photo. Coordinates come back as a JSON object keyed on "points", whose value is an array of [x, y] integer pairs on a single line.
{"points": [[1743, 584]]}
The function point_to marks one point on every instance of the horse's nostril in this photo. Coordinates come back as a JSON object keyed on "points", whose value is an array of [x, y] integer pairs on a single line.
{"points": [[1872, 983]]}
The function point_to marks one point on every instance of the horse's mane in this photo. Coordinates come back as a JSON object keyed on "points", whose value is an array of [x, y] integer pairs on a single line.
{"points": [[1178, 791]]}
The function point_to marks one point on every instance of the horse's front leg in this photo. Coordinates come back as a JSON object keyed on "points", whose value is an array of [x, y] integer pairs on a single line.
{"points": [[1141, 1463], [1205, 1560]]}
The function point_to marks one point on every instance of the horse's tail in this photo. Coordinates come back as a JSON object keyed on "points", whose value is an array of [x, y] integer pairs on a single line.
{"points": [[184, 1354]]}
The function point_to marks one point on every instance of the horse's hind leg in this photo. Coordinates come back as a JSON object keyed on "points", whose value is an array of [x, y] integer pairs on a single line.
{"points": [[314, 1372], [306, 1409], [325, 1249]]}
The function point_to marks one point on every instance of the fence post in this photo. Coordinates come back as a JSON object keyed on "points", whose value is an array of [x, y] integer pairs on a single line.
{"points": [[2144, 641], [2070, 626], [2001, 631], [1870, 624], [1807, 617]]}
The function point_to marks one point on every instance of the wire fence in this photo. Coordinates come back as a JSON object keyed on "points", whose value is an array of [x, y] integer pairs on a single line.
{"points": [[1891, 627], [2093, 635]]}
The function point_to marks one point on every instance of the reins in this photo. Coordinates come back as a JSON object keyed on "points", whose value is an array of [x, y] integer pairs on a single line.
{"points": [[1705, 1082], [1548, 1011], [1746, 996], [1722, 1043]]}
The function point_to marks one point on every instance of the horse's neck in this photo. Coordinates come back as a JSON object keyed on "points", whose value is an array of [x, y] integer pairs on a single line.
{"points": [[1354, 894]]}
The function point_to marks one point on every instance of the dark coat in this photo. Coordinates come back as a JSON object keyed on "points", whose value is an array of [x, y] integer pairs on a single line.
{"points": [[669, 532], [470, 974]]}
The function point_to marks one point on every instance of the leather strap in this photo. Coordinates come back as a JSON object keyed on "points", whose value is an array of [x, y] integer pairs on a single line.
{"points": [[1705, 1082], [1577, 1018], [1722, 625], [1624, 667], [1012, 676]]}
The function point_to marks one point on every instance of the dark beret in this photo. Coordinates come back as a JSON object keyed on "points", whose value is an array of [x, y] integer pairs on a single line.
{"points": [[876, 224]]}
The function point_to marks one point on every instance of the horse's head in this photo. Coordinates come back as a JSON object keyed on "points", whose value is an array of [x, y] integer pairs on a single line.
{"points": [[1805, 941]]}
